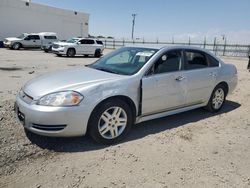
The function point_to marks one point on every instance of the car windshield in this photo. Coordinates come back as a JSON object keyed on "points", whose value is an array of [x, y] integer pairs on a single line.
{"points": [[21, 36], [126, 61], [73, 40]]}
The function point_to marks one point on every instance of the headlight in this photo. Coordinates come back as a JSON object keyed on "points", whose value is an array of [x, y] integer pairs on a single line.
{"points": [[64, 98]]}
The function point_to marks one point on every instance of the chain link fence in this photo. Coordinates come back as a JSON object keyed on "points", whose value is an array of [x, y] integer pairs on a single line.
{"points": [[233, 50]]}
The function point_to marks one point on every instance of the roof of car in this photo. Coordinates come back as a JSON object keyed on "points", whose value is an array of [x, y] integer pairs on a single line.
{"points": [[170, 46]]}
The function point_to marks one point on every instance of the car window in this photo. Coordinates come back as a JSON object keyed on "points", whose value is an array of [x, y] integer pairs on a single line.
{"points": [[90, 42], [83, 41], [34, 37], [127, 60], [195, 60], [121, 58], [99, 42], [212, 61], [168, 62], [86, 41], [50, 37]]}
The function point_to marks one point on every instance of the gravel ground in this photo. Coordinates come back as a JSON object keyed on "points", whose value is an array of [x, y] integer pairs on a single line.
{"points": [[191, 149]]}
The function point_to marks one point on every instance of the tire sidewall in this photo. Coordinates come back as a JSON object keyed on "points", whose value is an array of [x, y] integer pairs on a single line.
{"points": [[16, 43], [210, 104], [96, 114], [71, 55], [97, 53]]}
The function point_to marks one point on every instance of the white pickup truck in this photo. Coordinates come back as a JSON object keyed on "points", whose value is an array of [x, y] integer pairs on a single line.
{"points": [[78, 46], [32, 40]]}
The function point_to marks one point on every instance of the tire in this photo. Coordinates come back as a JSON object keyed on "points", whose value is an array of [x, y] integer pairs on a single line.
{"points": [[16, 46], [71, 52], [107, 128], [46, 51], [97, 53], [217, 99]]}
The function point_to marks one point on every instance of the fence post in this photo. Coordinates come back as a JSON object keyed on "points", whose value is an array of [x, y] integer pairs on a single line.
{"points": [[224, 50], [249, 51], [205, 40], [189, 41], [123, 42], [214, 45], [113, 43]]}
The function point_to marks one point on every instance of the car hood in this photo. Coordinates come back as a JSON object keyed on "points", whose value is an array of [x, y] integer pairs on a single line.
{"points": [[64, 43], [71, 79], [13, 39]]}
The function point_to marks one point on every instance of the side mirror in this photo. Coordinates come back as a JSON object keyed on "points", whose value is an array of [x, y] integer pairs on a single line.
{"points": [[26, 38], [78, 43]]}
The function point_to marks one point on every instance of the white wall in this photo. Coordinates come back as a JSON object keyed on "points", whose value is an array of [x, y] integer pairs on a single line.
{"points": [[17, 18]]}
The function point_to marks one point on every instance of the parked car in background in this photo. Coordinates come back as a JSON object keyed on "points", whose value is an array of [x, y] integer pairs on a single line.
{"points": [[32, 40], [48, 40], [78, 46], [129, 85]]}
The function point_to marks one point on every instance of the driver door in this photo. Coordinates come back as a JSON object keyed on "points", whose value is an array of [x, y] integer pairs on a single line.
{"points": [[163, 88]]}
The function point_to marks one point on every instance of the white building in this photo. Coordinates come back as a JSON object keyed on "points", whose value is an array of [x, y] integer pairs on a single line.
{"points": [[18, 16]]}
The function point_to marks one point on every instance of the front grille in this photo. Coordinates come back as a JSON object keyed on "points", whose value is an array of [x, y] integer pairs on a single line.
{"points": [[55, 46], [48, 127], [25, 97]]}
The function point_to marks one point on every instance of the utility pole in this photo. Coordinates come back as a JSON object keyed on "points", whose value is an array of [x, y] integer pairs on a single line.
{"points": [[133, 25]]}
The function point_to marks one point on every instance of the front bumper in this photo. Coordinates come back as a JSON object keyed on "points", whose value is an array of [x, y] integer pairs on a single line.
{"points": [[53, 121], [7, 45], [61, 51]]}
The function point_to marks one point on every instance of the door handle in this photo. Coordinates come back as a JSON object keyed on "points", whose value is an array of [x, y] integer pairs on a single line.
{"points": [[179, 78], [212, 74]]}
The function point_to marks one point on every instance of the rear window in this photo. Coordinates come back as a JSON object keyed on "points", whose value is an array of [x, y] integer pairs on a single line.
{"points": [[50, 37], [195, 60], [212, 61], [99, 42]]}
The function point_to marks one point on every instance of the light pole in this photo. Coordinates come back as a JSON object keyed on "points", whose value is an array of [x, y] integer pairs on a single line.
{"points": [[133, 25]]}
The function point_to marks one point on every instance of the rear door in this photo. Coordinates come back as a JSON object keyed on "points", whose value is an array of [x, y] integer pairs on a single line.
{"points": [[163, 87], [200, 76], [86, 46]]}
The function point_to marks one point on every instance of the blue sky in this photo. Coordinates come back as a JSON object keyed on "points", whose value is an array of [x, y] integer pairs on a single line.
{"points": [[164, 19]]}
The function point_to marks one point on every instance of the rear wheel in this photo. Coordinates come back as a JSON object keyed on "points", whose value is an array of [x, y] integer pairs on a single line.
{"points": [[110, 121], [16, 46], [217, 99], [71, 52], [98, 53]]}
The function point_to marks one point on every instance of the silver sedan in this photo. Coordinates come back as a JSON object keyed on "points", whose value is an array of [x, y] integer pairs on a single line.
{"points": [[127, 86]]}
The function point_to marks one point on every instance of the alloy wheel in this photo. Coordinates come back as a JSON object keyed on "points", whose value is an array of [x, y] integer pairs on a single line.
{"points": [[112, 122], [218, 98]]}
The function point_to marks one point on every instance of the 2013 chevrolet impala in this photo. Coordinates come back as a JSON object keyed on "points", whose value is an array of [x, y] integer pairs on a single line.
{"points": [[127, 86]]}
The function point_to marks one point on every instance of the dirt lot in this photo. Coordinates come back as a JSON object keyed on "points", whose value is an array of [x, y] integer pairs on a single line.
{"points": [[192, 149]]}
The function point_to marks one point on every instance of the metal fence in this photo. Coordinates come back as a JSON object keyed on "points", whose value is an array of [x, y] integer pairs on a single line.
{"points": [[235, 50]]}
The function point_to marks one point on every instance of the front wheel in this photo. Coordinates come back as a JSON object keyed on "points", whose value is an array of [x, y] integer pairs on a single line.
{"points": [[16, 46], [110, 121], [217, 99], [71, 52]]}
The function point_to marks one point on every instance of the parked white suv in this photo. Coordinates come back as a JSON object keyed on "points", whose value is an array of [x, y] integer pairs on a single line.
{"points": [[78, 46], [32, 40]]}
